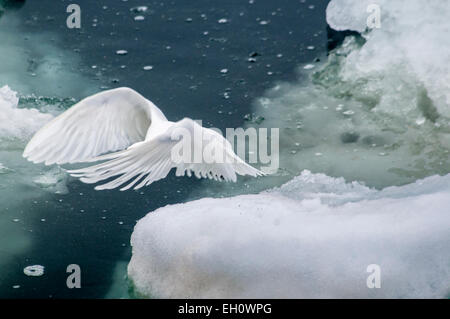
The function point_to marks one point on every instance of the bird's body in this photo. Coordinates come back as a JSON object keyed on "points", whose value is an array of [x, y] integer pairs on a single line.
{"points": [[134, 140]]}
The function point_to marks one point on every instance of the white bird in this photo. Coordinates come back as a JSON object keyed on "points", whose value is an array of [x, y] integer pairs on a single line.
{"points": [[140, 138]]}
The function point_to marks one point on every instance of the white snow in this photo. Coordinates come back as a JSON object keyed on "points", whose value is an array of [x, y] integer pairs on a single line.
{"points": [[15, 122], [412, 46], [312, 238]]}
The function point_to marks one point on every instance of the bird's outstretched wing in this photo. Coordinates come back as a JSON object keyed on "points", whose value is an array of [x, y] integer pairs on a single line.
{"points": [[105, 122], [149, 161]]}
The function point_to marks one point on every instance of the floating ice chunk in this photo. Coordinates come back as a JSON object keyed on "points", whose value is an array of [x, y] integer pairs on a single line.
{"points": [[3, 169], [53, 180], [312, 238], [139, 9], [18, 123], [412, 47], [121, 52], [348, 14], [8, 97], [47, 180], [34, 271], [421, 121]]}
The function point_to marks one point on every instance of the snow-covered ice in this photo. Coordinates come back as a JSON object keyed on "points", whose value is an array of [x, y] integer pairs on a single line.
{"points": [[312, 238]]}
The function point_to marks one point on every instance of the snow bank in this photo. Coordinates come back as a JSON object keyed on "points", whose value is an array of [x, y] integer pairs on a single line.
{"points": [[312, 238]]}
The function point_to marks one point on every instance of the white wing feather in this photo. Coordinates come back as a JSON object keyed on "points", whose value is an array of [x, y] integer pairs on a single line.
{"points": [[105, 122], [149, 161]]}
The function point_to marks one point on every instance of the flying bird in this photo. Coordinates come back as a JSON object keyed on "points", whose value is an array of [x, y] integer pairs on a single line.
{"points": [[134, 142]]}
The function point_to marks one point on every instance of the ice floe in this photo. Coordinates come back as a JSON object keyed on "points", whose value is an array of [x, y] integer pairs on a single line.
{"points": [[313, 237]]}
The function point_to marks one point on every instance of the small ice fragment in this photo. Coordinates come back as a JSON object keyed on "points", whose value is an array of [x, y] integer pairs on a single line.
{"points": [[308, 66], [223, 20], [121, 52], [310, 47], [139, 9], [224, 71], [263, 22], [148, 67], [139, 18], [3, 169], [34, 271], [419, 121]]}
